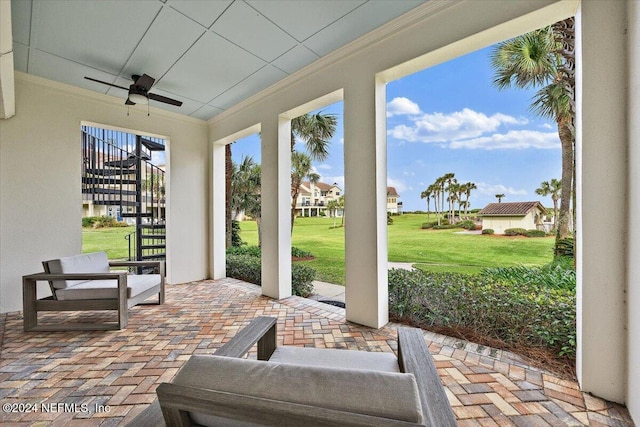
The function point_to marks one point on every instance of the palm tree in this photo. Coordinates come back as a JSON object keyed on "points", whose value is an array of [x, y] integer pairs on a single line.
{"points": [[245, 191], [544, 58], [467, 191], [499, 197], [553, 188], [301, 169], [316, 131], [332, 207], [228, 177], [448, 179], [426, 194]]}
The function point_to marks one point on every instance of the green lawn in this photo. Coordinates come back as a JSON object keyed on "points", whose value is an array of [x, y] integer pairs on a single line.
{"points": [[433, 250], [110, 240]]}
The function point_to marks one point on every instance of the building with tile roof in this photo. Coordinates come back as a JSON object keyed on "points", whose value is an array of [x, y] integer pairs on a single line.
{"points": [[502, 216]]}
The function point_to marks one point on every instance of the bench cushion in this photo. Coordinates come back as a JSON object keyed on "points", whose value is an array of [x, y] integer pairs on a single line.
{"points": [[330, 358], [383, 394], [95, 262], [108, 289]]}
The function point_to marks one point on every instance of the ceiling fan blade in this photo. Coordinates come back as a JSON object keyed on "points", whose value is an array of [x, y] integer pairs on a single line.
{"points": [[128, 102], [164, 99], [144, 81], [105, 83]]}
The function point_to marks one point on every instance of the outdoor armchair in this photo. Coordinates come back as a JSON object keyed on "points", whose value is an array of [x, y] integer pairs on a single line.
{"points": [[296, 386], [86, 283]]}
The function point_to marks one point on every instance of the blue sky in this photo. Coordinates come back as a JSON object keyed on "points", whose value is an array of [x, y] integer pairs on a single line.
{"points": [[450, 118]]}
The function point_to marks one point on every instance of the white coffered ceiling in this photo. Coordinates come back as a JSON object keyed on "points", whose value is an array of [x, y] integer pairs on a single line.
{"points": [[210, 54]]}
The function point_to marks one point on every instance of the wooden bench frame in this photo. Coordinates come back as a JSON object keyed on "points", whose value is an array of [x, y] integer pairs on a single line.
{"points": [[32, 305], [175, 402]]}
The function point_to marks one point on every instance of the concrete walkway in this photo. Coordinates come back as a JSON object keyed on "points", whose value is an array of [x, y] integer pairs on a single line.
{"points": [[323, 291]]}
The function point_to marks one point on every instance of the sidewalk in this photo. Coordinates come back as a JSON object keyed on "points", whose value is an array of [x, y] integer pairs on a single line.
{"points": [[324, 291]]}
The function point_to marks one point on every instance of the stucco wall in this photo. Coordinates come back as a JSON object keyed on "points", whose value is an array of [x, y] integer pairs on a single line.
{"points": [[41, 203], [633, 273], [499, 224]]}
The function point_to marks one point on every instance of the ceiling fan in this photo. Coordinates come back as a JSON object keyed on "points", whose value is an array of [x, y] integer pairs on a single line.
{"points": [[139, 91]]}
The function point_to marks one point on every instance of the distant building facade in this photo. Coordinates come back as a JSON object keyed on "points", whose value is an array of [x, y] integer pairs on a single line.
{"points": [[502, 216]]}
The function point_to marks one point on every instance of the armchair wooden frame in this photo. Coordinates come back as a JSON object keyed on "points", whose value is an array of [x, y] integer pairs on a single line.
{"points": [[175, 401], [32, 305]]}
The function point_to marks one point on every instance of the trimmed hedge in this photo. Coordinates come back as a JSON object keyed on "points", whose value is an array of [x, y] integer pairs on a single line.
{"points": [[515, 232], [536, 233], [488, 231], [516, 314], [249, 269], [102, 222]]}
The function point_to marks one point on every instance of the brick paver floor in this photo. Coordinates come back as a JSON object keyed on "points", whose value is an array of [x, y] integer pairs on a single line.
{"points": [[107, 378]]}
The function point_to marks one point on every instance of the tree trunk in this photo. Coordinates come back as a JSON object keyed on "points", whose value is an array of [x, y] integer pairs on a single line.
{"points": [[259, 224], [566, 140], [228, 169]]}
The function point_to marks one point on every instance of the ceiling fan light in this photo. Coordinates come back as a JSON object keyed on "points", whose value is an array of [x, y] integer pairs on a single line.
{"points": [[138, 98]]}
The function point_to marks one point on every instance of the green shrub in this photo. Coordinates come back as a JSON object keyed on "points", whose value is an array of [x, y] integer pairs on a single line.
{"points": [[389, 219], [244, 250], [467, 224], [553, 276], [236, 240], [536, 233], [488, 231], [102, 222], [515, 232], [302, 277], [516, 314], [245, 267], [249, 269], [299, 253], [428, 225], [89, 220], [445, 226]]}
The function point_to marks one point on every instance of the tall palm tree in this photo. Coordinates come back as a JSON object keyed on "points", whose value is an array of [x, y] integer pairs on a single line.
{"points": [[448, 179], [553, 188], [228, 177], [426, 194], [301, 169], [499, 197], [544, 59], [468, 187], [316, 131], [245, 191]]}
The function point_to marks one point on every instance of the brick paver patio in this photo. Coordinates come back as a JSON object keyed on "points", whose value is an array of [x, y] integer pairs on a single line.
{"points": [[107, 378]]}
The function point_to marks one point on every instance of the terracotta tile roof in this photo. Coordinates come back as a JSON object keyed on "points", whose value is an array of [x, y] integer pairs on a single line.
{"points": [[391, 191], [510, 209], [322, 186]]}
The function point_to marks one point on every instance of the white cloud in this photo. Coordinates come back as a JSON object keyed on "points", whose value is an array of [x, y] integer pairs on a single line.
{"points": [[402, 106], [334, 179], [546, 126], [514, 139], [493, 189], [397, 183], [460, 125], [324, 166]]}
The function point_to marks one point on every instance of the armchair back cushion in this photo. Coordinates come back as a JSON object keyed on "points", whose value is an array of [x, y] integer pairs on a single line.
{"points": [[382, 394], [95, 262]]}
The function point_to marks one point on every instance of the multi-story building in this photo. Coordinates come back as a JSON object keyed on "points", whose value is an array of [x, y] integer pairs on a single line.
{"points": [[313, 199]]}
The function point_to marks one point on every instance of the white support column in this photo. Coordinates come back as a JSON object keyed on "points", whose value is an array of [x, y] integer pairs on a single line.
{"points": [[365, 157], [633, 254], [601, 148], [276, 207], [217, 267]]}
